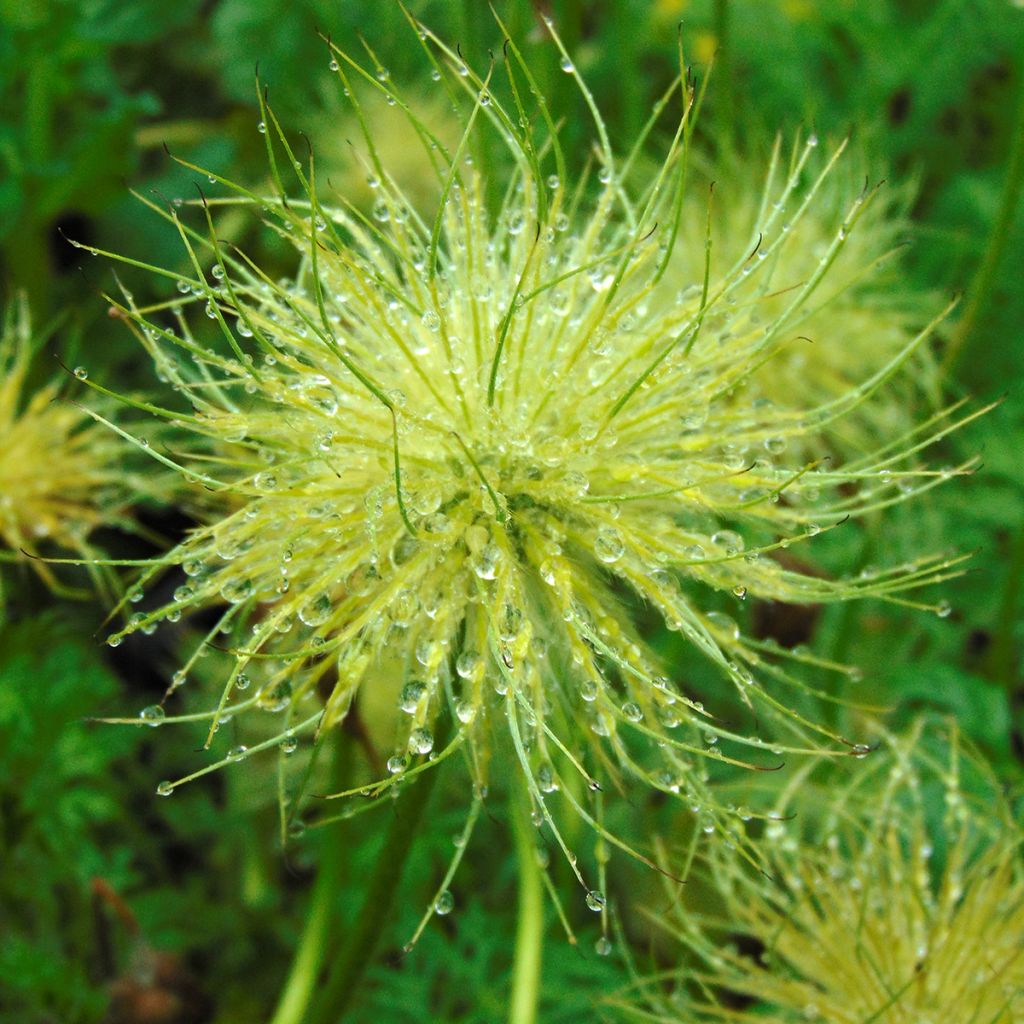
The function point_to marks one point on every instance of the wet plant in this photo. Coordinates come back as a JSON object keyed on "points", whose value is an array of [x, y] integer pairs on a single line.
{"points": [[61, 474], [455, 459], [894, 895]]}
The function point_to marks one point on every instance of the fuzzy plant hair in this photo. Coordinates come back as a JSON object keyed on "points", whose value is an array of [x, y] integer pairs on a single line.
{"points": [[459, 458], [894, 895], [61, 475]]}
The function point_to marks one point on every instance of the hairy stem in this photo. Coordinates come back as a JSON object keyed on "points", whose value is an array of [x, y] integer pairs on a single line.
{"points": [[309, 956], [530, 927], [357, 952]]}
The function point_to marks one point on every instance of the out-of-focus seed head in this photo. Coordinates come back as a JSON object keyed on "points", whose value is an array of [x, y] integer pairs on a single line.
{"points": [[894, 895], [61, 475], [863, 314]]}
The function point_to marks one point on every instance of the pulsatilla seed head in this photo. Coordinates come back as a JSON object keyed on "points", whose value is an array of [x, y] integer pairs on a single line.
{"points": [[457, 455], [894, 895]]}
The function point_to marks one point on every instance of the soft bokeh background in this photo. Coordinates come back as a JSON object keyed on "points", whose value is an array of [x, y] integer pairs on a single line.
{"points": [[92, 95]]}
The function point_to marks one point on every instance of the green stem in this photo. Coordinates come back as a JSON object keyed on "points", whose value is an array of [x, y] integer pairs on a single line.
{"points": [[530, 927], [985, 279], [364, 936], [309, 957], [723, 60], [1000, 663]]}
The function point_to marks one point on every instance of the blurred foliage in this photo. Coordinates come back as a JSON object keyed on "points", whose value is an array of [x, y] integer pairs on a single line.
{"points": [[90, 93]]}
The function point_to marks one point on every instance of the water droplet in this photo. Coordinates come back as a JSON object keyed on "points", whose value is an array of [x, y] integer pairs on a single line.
{"points": [[262, 127], [236, 591], [317, 611], [409, 698], [486, 565], [397, 763], [567, 66], [444, 904], [468, 664], [238, 753], [596, 900], [165, 788], [608, 545], [943, 609], [603, 946], [728, 539], [431, 321], [632, 712], [421, 741], [289, 745], [153, 715], [81, 372]]}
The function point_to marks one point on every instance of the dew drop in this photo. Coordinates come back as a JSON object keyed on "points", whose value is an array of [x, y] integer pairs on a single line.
{"points": [[165, 789], [608, 545], [467, 664], [81, 372], [596, 900], [153, 715], [603, 946], [409, 698], [631, 712], [317, 611], [444, 904], [421, 741], [238, 753]]}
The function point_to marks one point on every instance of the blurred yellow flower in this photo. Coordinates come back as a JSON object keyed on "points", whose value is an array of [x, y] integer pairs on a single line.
{"points": [[895, 897], [60, 476]]}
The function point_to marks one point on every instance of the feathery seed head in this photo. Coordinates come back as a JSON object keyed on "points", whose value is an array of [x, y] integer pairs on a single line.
{"points": [[862, 315], [459, 453], [904, 904], [59, 473]]}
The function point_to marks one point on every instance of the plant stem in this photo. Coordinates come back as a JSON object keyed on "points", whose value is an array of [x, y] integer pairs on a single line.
{"points": [[308, 960], [364, 936], [530, 927], [723, 58], [985, 279], [1001, 660]]}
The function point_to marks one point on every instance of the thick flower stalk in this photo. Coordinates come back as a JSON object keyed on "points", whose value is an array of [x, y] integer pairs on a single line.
{"points": [[458, 456], [60, 473], [903, 904]]}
